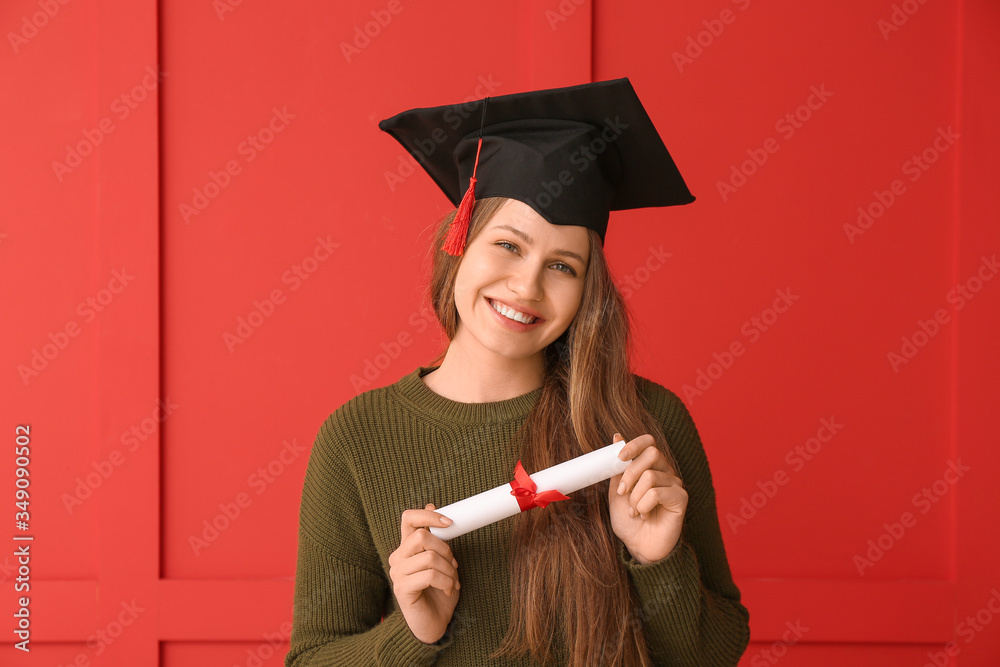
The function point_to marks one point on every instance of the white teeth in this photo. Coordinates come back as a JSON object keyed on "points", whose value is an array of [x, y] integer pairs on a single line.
{"points": [[512, 314]]}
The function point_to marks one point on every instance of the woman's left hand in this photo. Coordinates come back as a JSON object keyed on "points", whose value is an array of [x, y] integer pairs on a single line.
{"points": [[648, 514]]}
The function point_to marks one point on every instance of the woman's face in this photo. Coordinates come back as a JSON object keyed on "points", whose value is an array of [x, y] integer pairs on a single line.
{"points": [[529, 268]]}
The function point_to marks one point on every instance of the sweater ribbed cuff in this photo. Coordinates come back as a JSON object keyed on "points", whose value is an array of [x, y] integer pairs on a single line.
{"points": [[667, 583], [400, 646], [633, 564]]}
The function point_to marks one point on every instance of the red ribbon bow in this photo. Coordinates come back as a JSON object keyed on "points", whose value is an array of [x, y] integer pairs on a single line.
{"points": [[523, 489]]}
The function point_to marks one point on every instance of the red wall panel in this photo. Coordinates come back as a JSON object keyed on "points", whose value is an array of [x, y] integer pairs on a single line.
{"points": [[263, 227]]}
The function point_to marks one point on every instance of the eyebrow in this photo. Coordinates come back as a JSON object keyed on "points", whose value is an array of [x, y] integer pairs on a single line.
{"points": [[527, 239]]}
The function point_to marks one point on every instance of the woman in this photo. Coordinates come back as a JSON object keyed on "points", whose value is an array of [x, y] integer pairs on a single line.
{"points": [[536, 370]]}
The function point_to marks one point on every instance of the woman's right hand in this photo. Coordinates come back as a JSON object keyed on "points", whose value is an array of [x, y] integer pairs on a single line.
{"points": [[424, 575]]}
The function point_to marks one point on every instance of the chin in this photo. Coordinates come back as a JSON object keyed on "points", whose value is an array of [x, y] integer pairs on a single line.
{"points": [[514, 351]]}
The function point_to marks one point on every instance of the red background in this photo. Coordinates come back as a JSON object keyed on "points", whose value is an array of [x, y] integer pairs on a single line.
{"points": [[245, 413]]}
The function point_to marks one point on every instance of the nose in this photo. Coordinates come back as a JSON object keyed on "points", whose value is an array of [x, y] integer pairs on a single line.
{"points": [[526, 281]]}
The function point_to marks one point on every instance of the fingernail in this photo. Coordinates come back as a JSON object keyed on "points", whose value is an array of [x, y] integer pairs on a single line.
{"points": [[446, 521], [621, 488], [454, 562], [457, 585]]}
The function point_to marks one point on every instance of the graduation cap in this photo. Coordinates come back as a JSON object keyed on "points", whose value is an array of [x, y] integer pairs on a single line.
{"points": [[572, 154]]}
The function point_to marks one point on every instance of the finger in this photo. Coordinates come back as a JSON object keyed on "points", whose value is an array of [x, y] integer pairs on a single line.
{"points": [[649, 479], [413, 519], [624, 454], [650, 458], [616, 479], [425, 579], [635, 446], [424, 540], [671, 498], [613, 483], [426, 560], [412, 585]]}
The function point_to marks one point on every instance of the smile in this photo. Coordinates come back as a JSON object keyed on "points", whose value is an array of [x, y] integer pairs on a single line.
{"points": [[512, 314]]}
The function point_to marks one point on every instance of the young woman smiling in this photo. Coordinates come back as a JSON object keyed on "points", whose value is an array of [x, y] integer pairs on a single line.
{"points": [[629, 573]]}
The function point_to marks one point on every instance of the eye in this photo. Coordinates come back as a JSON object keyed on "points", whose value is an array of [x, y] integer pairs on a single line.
{"points": [[560, 266], [568, 269]]}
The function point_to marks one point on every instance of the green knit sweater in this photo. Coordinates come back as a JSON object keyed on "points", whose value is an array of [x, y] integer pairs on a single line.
{"points": [[402, 446]]}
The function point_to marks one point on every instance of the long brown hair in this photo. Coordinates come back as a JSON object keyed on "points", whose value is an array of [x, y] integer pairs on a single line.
{"points": [[566, 576]]}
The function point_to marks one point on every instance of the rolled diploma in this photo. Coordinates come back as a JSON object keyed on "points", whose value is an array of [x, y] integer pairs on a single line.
{"points": [[484, 508]]}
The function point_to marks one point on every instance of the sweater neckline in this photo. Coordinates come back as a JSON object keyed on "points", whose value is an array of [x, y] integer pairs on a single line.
{"points": [[412, 390]]}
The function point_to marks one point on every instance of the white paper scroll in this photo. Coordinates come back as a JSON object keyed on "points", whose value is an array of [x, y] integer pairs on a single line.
{"points": [[484, 508]]}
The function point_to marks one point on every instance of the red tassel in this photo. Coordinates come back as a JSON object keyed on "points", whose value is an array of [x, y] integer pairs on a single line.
{"points": [[454, 243]]}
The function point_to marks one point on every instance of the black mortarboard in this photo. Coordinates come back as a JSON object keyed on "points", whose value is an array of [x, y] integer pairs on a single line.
{"points": [[573, 154]]}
